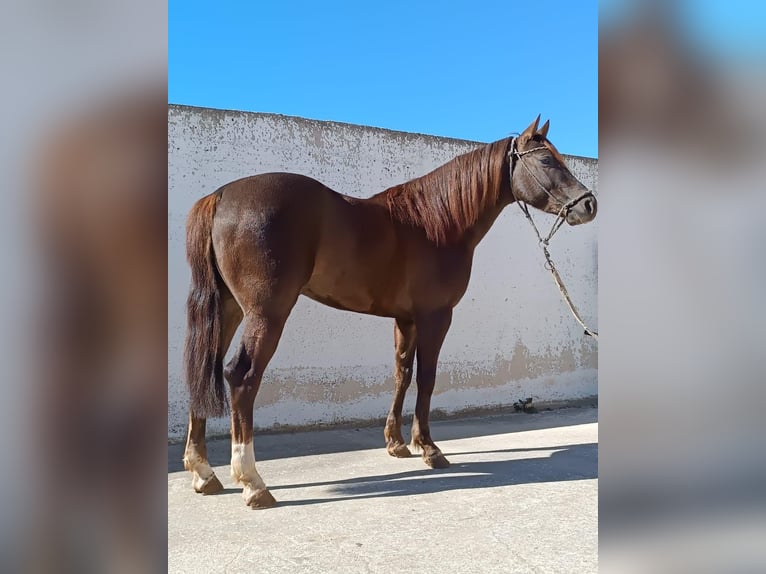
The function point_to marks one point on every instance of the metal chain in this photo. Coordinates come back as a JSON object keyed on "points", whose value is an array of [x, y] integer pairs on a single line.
{"points": [[560, 217]]}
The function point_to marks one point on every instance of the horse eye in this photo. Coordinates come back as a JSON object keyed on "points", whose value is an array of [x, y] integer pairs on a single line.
{"points": [[548, 161]]}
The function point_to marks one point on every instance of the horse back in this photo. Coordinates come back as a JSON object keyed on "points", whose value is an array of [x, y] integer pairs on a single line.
{"points": [[293, 230], [288, 233]]}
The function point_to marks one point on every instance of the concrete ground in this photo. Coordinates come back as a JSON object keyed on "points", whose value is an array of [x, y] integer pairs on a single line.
{"points": [[520, 496]]}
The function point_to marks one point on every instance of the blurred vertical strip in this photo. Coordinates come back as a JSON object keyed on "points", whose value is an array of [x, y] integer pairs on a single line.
{"points": [[682, 387], [84, 302]]}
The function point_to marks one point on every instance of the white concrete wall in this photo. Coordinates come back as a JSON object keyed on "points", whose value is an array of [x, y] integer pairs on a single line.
{"points": [[512, 337]]}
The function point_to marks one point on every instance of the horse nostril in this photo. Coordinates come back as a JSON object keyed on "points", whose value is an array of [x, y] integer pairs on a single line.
{"points": [[588, 204]]}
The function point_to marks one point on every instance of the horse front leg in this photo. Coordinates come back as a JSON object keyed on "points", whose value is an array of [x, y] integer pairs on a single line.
{"points": [[404, 345], [432, 329]]}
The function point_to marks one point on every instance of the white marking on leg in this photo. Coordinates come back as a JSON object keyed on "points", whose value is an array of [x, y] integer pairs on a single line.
{"points": [[243, 465], [199, 467], [243, 471]]}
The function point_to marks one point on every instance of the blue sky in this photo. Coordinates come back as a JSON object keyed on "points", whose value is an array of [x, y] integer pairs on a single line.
{"points": [[470, 70]]}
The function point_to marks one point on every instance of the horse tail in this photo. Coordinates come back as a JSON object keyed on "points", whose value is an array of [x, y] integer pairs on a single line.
{"points": [[202, 352]]}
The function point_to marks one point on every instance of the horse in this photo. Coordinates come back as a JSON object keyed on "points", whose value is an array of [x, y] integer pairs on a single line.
{"points": [[256, 244]]}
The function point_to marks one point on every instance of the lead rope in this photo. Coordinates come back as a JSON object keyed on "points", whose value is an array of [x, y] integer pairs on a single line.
{"points": [[550, 266]]}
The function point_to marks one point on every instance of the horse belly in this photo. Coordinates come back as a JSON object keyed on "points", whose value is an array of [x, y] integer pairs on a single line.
{"points": [[356, 284], [345, 292], [356, 267], [337, 300]]}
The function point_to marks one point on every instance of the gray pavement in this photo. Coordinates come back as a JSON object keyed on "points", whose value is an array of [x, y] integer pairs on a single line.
{"points": [[520, 496]]}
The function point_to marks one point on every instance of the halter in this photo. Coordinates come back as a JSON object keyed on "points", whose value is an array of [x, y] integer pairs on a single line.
{"points": [[566, 207]]}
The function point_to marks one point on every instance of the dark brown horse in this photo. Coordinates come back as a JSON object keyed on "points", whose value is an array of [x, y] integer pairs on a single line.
{"points": [[258, 243]]}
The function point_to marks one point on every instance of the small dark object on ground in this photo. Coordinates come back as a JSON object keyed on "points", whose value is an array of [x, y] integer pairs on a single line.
{"points": [[524, 406]]}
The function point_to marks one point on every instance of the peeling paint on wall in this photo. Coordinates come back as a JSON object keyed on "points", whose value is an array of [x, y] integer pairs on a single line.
{"points": [[511, 336]]}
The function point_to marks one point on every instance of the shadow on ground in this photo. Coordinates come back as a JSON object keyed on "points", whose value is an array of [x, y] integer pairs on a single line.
{"points": [[306, 443], [572, 462]]}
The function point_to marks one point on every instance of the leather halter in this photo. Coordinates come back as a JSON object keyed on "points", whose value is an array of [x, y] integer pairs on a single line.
{"points": [[566, 206], [560, 218]]}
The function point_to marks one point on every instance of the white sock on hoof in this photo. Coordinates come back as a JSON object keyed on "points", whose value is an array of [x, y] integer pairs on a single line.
{"points": [[243, 466], [200, 469]]}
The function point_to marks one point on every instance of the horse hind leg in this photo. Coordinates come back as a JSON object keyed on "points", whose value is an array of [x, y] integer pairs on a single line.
{"points": [[244, 373], [204, 480]]}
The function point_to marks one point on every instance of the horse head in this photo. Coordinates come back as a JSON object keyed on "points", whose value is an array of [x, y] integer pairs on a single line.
{"points": [[540, 178]]}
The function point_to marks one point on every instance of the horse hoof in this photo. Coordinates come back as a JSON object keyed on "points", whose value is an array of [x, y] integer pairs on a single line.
{"points": [[436, 461], [260, 499], [211, 485], [399, 451]]}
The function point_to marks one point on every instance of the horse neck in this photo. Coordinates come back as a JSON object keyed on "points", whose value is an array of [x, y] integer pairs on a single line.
{"points": [[413, 202], [474, 234]]}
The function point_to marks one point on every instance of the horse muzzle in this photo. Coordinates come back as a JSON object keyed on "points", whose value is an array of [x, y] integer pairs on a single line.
{"points": [[582, 211]]}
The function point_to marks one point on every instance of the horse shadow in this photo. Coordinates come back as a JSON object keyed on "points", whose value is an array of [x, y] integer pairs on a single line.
{"points": [[272, 446], [570, 462]]}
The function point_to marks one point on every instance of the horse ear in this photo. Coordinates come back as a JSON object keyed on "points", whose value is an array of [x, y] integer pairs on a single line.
{"points": [[544, 130], [531, 129]]}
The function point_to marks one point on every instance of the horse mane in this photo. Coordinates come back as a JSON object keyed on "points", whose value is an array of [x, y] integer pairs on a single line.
{"points": [[449, 200]]}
